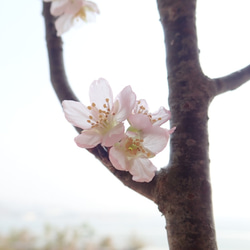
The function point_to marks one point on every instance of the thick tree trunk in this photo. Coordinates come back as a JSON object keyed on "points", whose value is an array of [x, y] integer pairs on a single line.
{"points": [[183, 188]]}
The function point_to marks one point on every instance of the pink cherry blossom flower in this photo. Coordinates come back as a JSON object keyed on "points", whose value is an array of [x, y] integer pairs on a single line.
{"points": [[143, 141], [157, 118], [68, 11], [102, 121]]}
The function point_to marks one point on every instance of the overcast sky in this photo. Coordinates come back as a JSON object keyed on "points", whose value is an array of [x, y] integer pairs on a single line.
{"points": [[40, 164]]}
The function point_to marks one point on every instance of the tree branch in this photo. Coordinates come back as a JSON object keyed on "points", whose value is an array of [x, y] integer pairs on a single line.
{"points": [[232, 81], [178, 22], [145, 189], [64, 92], [55, 53], [184, 188]]}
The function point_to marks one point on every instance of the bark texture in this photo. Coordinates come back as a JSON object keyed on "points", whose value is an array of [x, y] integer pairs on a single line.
{"points": [[183, 189]]}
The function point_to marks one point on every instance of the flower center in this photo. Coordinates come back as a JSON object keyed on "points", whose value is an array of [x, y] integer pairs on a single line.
{"points": [[81, 14], [134, 147], [101, 118]]}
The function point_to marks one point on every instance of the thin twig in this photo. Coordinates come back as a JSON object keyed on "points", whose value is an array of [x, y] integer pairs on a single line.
{"points": [[232, 81]]}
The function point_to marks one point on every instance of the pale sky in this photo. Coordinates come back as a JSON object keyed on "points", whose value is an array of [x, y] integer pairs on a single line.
{"points": [[40, 163]]}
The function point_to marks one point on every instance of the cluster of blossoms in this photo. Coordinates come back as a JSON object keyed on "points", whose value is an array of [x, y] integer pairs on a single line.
{"points": [[103, 123], [69, 11]]}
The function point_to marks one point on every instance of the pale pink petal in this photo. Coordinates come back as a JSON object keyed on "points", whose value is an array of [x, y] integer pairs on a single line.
{"points": [[141, 105], [88, 139], [74, 7], [63, 23], [66, 10], [140, 121], [58, 7], [161, 116], [156, 139], [114, 135], [118, 159], [76, 113], [91, 6], [126, 99], [99, 91], [171, 131], [142, 170]]}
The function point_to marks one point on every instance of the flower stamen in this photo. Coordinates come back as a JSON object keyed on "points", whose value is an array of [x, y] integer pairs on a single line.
{"points": [[101, 118], [134, 147], [142, 110]]}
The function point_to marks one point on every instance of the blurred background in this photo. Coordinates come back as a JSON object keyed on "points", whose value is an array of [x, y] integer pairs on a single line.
{"points": [[54, 195]]}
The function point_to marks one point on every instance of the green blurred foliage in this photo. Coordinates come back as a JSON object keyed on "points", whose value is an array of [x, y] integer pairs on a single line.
{"points": [[52, 238]]}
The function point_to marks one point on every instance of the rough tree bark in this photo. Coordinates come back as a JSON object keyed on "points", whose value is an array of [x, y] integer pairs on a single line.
{"points": [[182, 190]]}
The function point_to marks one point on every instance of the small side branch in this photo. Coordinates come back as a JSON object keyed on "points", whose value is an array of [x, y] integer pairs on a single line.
{"points": [[232, 81], [64, 92]]}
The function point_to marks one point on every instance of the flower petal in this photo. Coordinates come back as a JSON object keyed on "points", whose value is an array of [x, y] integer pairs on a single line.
{"points": [[91, 6], [140, 121], [118, 159], [126, 99], [156, 139], [99, 91], [141, 106], [63, 24], [88, 139], [161, 116], [76, 113], [171, 131], [142, 170], [113, 135], [58, 7]]}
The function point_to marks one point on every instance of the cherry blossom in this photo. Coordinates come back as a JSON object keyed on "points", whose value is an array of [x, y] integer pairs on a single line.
{"points": [[69, 11], [143, 140], [102, 120], [157, 118], [103, 123]]}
